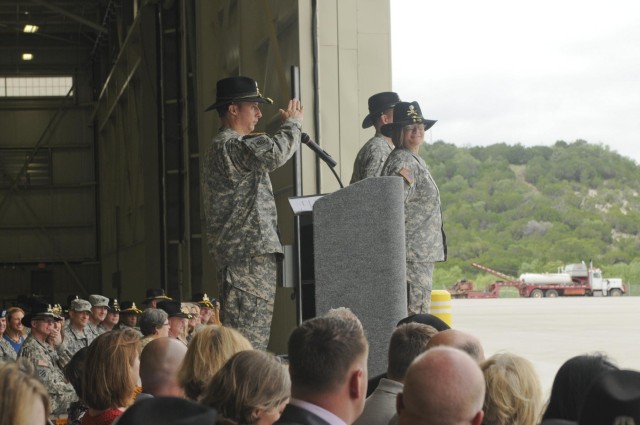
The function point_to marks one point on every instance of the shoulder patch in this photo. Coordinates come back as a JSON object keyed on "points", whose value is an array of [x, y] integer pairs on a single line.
{"points": [[406, 174]]}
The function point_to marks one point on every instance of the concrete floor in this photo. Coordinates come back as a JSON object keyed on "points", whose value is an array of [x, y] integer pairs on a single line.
{"points": [[550, 331]]}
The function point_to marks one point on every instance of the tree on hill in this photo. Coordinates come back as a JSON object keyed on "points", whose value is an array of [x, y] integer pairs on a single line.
{"points": [[532, 209]]}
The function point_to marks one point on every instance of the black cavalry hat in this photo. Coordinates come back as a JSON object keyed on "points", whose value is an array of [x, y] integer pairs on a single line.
{"points": [[114, 306], [405, 113], [127, 307], [174, 309], [203, 300], [237, 89], [613, 398], [155, 294], [40, 310], [378, 103]]}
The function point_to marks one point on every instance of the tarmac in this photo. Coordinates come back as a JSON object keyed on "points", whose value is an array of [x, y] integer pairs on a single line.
{"points": [[549, 331]]}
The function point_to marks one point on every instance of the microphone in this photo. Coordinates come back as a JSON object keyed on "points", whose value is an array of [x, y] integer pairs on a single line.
{"points": [[318, 150]]}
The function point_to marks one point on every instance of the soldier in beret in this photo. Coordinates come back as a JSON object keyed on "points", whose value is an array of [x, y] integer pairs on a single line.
{"points": [[425, 239], [239, 206]]}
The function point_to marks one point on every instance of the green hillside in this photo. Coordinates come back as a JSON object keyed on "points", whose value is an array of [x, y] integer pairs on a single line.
{"points": [[523, 209]]}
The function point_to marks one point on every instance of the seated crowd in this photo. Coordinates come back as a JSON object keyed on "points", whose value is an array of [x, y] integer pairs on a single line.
{"points": [[175, 363]]}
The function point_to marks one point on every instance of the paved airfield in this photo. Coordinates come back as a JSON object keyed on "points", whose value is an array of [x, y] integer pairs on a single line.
{"points": [[549, 331]]}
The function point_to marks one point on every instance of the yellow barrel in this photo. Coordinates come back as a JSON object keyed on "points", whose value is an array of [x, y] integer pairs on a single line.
{"points": [[441, 305]]}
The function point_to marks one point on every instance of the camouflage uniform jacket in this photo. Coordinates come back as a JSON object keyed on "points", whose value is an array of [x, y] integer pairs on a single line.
{"points": [[238, 198], [371, 158], [73, 341], [6, 351], [93, 330], [45, 360], [425, 238]]}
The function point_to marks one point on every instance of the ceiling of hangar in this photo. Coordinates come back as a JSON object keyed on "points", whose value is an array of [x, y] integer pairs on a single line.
{"points": [[69, 31]]}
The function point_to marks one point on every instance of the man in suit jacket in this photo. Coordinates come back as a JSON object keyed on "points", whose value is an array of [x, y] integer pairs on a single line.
{"points": [[328, 368]]}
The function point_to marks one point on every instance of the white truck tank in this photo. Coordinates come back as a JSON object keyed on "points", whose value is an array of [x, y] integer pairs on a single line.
{"points": [[545, 278]]}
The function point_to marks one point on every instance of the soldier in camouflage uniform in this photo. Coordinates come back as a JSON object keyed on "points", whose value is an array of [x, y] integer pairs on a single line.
{"points": [[425, 238], [99, 308], [6, 350], [239, 205], [374, 153], [129, 316], [39, 352], [76, 332]]}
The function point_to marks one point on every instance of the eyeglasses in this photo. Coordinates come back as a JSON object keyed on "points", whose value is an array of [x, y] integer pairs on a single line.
{"points": [[413, 127]]}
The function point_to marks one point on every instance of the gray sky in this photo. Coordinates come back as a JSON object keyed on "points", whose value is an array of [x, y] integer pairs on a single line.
{"points": [[516, 71]]}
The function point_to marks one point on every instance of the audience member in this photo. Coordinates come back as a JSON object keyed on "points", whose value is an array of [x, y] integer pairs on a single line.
{"points": [[159, 364], [207, 353], [154, 323], [23, 398], [613, 399], [209, 313], [76, 334], [328, 369], [443, 386], [513, 395], [112, 318], [74, 372], [153, 296], [44, 358], [407, 342], [167, 411], [194, 321], [99, 307], [253, 387], [460, 340], [178, 319], [571, 383], [111, 376], [7, 352], [129, 316], [14, 334], [426, 319]]}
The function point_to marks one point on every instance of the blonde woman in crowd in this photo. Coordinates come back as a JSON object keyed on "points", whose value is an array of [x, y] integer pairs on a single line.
{"points": [[253, 387], [208, 351], [23, 399], [111, 376], [513, 394], [14, 334]]}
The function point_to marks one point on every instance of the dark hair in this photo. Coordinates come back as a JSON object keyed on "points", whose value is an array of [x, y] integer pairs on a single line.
{"points": [[571, 383], [74, 370], [407, 342], [321, 351]]}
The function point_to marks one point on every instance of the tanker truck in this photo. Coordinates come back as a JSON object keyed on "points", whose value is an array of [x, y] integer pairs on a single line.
{"points": [[570, 280]]}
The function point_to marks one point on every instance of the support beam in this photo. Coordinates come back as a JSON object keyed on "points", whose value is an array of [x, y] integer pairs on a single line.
{"points": [[73, 16]]}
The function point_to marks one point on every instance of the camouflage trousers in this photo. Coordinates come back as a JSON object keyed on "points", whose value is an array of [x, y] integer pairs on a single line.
{"points": [[419, 279], [248, 293]]}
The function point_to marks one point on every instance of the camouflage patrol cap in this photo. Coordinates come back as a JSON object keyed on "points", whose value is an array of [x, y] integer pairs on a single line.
{"points": [[99, 301], [80, 305]]}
